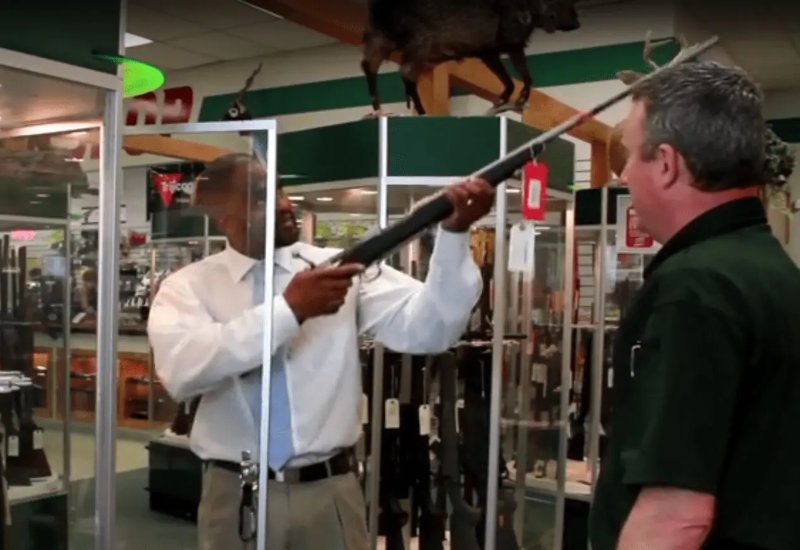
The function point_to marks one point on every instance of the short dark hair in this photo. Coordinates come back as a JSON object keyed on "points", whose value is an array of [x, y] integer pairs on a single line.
{"points": [[216, 180], [712, 114]]}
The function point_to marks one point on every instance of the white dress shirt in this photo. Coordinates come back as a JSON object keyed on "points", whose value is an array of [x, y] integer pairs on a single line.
{"points": [[206, 333]]}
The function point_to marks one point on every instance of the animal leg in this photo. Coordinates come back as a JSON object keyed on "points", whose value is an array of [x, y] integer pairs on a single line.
{"points": [[409, 72], [521, 65], [495, 65], [375, 53]]}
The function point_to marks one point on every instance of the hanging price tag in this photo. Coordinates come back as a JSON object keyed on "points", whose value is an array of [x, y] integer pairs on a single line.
{"points": [[392, 412], [13, 446], [364, 409], [424, 420], [534, 190], [38, 440]]}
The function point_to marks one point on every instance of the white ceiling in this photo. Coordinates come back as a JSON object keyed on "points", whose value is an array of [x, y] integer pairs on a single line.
{"points": [[188, 33]]}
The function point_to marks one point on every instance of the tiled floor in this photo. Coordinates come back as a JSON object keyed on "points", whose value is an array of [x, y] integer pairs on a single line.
{"points": [[136, 526]]}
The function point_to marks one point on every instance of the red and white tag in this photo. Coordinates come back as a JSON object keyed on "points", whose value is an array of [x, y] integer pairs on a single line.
{"points": [[534, 190], [635, 237]]}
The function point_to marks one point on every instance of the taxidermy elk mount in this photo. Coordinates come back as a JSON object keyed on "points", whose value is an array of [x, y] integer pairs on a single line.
{"points": [[779, 160], [429, 32]]}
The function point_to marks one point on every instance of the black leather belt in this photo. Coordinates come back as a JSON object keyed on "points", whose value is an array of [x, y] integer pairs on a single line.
{"points": [[336, 465]]}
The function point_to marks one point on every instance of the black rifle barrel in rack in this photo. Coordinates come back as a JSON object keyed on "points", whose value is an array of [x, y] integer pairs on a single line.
{"points": [[381, 245]]}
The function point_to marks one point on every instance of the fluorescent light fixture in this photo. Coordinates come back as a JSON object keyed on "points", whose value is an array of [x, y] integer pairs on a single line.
{"points": [[369, 192], [511, 190], [43, 195], [133, 40], [324, 199], [296, 197]]}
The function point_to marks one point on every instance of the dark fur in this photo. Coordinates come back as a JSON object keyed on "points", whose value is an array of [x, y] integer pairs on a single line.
{"points": [[429, 32]]}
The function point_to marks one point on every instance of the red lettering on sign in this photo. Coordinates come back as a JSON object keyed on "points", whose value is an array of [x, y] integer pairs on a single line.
{"points": [[177, 105], [145, 103], [177, 108]]}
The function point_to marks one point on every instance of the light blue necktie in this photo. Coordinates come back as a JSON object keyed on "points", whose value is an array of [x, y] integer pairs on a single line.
{"points": [[280, 430]]}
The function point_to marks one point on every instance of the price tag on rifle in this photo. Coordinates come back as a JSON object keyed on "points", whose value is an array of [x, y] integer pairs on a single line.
{"points": [[534, 190], [392, 413], [424, 420], [13, 446], [38, 440], [364, 409]]}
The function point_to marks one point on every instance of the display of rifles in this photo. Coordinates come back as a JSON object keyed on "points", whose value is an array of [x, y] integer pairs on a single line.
{"points": [[376, 247], [464, 518]]}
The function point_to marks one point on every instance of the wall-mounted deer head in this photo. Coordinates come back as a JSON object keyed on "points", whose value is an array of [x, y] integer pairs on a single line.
{"points": [[237, 110], [779, 158], [617, 155]]}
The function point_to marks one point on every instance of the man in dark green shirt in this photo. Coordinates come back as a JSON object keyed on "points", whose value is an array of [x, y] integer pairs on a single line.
{"points": [[704, 445]]}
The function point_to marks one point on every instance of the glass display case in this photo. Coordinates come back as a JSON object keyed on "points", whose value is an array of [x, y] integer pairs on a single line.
{"points": [[44, 120], [492, 402]]}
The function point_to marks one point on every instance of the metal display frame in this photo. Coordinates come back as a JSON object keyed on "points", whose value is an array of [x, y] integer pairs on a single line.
{"points": [[110, 192], [269, 127], [384, 184]]}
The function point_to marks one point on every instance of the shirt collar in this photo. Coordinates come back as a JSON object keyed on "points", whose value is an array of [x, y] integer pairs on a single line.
{"points": [[725, 218], [240, 265]]}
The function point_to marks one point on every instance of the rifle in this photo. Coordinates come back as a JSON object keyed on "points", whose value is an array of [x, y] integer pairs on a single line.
{"points": [[432, 515], [464, 518], [394, 486], [376, 247]]}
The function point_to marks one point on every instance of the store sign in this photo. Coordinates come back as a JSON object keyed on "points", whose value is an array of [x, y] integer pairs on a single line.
{"points": [[169, 184], [631, 239], [175, 107]]}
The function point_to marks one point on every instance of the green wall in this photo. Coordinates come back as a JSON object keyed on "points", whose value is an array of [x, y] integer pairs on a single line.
{"points": [[548, 69]]}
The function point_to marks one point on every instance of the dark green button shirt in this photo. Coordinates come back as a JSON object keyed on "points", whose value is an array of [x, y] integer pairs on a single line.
{"points": [[707, 384]]}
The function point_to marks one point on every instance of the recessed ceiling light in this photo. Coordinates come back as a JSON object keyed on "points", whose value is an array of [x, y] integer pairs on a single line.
{"points": [[296, 197], [324, 199], [42, 195], [134, 40]]}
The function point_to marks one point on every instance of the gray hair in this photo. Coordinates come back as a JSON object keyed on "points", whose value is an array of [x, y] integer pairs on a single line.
{"points": [[712, 115]]}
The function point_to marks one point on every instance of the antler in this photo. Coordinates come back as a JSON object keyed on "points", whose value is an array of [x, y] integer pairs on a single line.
{"points": [[629, 77], [248, 83]]}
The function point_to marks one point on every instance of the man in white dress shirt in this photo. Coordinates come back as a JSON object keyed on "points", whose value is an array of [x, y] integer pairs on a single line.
{"points": [[206, 327]]}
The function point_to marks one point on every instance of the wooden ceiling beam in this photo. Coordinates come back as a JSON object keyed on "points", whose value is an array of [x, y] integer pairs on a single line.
{"points": [[173, 148]]}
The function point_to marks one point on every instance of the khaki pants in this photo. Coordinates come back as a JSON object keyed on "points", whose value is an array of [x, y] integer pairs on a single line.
{"points": [[327, 514]]}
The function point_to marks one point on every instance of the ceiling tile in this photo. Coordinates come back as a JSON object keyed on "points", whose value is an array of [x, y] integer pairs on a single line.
{"points": [[282, 35], [220, 45], [157, 26], [214, 14], [169, 57]]}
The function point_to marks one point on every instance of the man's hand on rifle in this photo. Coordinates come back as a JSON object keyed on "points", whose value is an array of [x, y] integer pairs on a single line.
{"points": [[320, 291], [472, 200]]}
